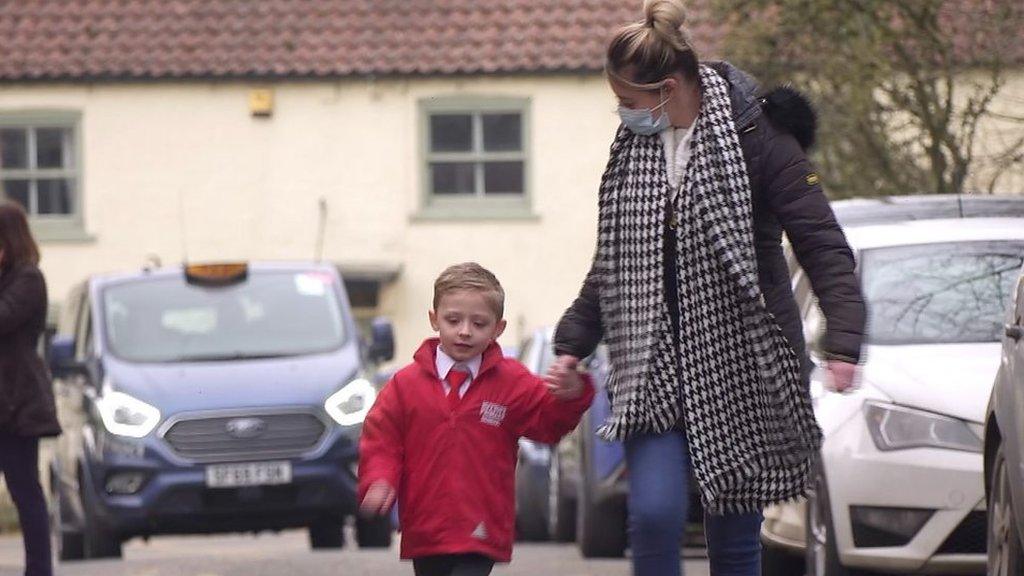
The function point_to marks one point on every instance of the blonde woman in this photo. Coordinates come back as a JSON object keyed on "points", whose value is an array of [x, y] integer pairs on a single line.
{"points": [[690, 290]]}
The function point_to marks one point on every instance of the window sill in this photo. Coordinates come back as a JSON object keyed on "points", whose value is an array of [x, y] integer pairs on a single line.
{"points": [[60, 231], [475, 212]]}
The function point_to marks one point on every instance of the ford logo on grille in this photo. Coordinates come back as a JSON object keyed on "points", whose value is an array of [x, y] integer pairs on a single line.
{"points": [[245, 427]]}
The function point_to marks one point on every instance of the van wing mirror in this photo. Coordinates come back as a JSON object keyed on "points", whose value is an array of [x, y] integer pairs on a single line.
{"points": [[382, 340], [62, 357]]}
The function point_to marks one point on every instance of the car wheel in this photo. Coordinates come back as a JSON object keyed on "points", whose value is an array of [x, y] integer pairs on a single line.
{"points": [[1004, 546], [600, 524], [326, 534], [822, 555], [374, 532], [776, 561], [68, 544], [98, 539], [561, 508], [531, 503]]}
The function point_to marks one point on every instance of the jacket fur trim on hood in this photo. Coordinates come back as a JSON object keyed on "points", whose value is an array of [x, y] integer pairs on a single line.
{"points": [[792, 112]]}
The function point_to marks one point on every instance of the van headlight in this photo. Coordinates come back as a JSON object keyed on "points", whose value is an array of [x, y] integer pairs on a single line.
{"points": [[352, 403], [899, 428], [124, 415]]}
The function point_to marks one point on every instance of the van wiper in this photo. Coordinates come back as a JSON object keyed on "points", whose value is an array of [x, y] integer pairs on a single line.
{"points": [[232, 357]]}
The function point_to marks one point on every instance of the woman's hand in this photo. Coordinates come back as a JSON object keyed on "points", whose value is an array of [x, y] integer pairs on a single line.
{"points": [[379, 499], [841, 376], [566, 362], [563, 380]]}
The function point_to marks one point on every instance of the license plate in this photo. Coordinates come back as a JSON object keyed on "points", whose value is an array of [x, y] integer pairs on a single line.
{"points": [[248, 474]]}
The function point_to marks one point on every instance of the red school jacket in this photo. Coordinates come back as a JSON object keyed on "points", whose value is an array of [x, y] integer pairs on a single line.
{"points": [[455, 470]]}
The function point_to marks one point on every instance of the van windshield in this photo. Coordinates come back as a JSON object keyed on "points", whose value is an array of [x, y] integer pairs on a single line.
{"points": [[268, 315]]}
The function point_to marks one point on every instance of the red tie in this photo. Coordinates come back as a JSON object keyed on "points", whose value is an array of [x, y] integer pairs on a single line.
{"points": [[455, 380]]}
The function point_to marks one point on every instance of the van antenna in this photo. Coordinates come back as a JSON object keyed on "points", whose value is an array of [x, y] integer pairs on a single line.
{"points": [[152, 262], [321, 227], [182, 230]]}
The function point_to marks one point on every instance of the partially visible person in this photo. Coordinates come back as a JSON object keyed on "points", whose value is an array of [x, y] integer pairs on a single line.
{"points": [[27, 410], [443, 435]]}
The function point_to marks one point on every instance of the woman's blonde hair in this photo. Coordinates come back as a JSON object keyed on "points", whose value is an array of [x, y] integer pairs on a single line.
{"points": [[644, 53]]}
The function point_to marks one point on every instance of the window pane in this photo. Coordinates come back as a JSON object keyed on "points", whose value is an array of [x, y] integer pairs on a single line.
{"points": [[54, 195], [503, 132], [939, 293], [13, 148], [52, 146], [16, 190], [453, 177], [503, 177], [451, 133]]}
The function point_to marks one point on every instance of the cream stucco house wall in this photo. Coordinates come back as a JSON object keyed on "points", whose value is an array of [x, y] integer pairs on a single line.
{"points": [[185, 170]]}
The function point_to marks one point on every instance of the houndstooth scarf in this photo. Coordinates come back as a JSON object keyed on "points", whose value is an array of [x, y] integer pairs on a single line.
{"points": [[735, 380]]}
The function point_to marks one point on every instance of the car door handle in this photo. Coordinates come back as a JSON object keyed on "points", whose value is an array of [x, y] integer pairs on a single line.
{"points": [[1015, 331]]}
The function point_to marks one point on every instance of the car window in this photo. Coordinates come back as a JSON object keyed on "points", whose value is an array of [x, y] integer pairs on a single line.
{"points": [[83, 331], [528, 353], [547, 358], [68, 322], [1016, 310], [802, 291], [939, 293]]}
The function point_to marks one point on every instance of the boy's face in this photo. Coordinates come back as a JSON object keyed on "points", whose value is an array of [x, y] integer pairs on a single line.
{"points": [[466, 323]]}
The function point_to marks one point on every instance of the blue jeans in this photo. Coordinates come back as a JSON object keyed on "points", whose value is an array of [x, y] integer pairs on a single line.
{"points": [[659, 477]]}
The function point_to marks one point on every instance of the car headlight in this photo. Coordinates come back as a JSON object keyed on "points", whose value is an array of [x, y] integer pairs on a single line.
{"points": [[352, 403], [898, 428], [124, 415]]}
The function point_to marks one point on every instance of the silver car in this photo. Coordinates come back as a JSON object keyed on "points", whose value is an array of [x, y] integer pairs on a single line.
{"points": [[1004, 448]]}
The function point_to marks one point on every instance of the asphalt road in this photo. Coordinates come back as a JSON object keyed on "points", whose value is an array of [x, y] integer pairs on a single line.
{"points": [[288, 554]]}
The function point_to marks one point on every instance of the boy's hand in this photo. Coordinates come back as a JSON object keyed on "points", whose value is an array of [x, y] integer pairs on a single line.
{"points": [[563, 380], [379, 499]]}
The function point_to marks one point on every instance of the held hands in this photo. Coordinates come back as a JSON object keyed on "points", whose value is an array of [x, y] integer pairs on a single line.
{"points": [[841, 376], [378, 500], [563, 380]]}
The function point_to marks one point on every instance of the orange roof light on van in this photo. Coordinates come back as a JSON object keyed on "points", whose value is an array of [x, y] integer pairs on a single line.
{"points": [[221, 274]]}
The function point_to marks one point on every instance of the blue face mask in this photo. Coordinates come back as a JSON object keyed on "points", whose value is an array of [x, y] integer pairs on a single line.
{"points": [[642, 122]]}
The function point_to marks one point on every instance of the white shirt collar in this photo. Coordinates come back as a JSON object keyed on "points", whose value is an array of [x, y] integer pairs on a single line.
{"points": [[445, 363]]}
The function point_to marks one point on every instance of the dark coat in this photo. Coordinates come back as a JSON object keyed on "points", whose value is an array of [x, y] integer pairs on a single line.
{"points": [[26, 393], [787, 196]]}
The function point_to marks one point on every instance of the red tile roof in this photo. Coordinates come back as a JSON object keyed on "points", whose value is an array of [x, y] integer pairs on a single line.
{"points": [[138, 39], [150, 39]]}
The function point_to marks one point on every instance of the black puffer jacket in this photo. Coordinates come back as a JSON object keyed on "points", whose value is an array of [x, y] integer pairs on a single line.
{"points": [[787, 196], [26, 393]]}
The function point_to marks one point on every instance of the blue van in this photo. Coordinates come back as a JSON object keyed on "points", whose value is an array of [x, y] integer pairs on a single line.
{"points": [[210, 398]]}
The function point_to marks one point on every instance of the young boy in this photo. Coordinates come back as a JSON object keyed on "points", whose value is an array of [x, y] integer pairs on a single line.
{"points": [[442, 436]]}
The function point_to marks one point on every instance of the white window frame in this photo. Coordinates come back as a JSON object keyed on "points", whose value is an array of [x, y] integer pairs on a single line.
{"points": [[479, 205], [51, 227]]}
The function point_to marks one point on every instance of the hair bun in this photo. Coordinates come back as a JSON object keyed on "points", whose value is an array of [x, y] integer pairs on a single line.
{"points": [[668, 13], [667, 18]]}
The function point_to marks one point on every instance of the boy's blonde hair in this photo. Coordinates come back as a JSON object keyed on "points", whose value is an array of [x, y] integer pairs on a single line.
{"points": [[471, 276]]}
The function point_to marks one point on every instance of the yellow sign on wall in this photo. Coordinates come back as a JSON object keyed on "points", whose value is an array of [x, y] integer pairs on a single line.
{"points": [[261, 102]]}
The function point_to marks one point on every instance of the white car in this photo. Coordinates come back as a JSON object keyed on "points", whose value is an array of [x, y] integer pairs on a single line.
{"points": [[899, 488]]}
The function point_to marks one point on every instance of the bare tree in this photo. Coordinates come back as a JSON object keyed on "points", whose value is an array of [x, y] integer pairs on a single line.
{"points": [[902, 86]]}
